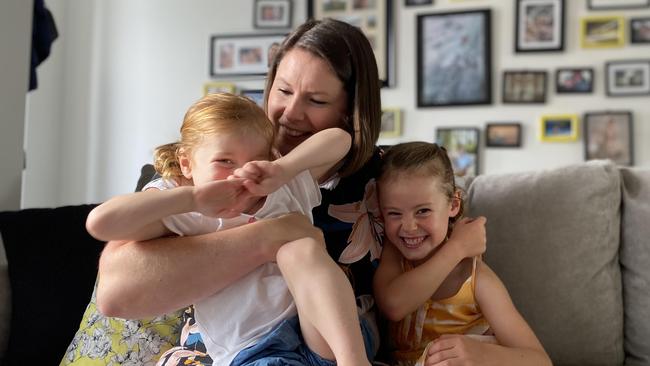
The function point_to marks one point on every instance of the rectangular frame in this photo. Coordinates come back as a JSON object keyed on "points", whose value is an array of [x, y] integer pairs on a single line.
{"points": [[524, 86], [609, 135], [539, 25], [374, 18], [417, 2], [602, 31], [577, 80], [462, 144], [640, 30], [391, 123], [558, 128], [617, 4], [218, 87], [272, 14], [241, 55], [627, 78], [503, 134], [257, 95], [454, 58]]}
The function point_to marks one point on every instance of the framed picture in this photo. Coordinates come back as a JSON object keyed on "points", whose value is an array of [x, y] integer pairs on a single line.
{"points": [[272, 14], [218, 87], [462, 144], [617, 4], [640, 30], [629, 77], [454, 59], [558, 128], [600, 32], [374, 17], [257, 95], [524, 86], [391, 122], [503, 134], [608, 135], [417, 2], [238, 55], [539, 26], [574, 80]]}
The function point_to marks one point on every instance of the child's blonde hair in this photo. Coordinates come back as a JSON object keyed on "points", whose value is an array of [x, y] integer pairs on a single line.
{"points": [[212, 114], [422, 159]]}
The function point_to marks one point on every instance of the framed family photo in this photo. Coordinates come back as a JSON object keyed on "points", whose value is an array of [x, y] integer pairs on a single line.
{"points": [[272, 14], [374, 18], [640, 30], [558, 128], [608, 135], [239, 55], [626, 78], [462, 144], [617, 4], [527, 86], [391, 123], [454, 58], [503, 134], [539, 25], [601, 32], [574, 80]]}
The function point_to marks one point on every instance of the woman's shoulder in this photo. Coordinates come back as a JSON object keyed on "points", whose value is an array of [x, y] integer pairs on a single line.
{"points": [[353, 187]]}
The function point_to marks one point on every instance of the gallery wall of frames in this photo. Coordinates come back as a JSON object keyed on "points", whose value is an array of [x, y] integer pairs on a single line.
{"points": [[505, 87]]}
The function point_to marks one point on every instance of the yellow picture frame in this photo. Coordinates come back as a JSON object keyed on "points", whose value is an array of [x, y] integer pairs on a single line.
{"points": [[602, 31], [391, 123], [218, 87], [558, 128]]}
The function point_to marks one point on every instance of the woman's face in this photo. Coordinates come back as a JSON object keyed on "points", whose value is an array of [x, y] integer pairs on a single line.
{"points": [[306, 97]]}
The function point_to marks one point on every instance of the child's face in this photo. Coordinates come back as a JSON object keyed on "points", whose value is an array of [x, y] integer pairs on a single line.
{"points": [[218, 155], [416, 214]]}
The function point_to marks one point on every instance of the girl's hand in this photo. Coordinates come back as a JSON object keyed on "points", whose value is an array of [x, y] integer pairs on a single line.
{"points": [[262, 177], [455, 349], [221, 198], [469, 237]]}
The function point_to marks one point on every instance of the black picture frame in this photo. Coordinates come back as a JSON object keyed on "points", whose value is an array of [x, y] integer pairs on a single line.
{"points": [[627, 78], [524, 86], [417, 2], [640, 30], [617, 4], [374, 18], [453, 65], [270, 14], [539, 25], [609, 135], [503, 134], [463, 147], [577, 80], [241, 54]]}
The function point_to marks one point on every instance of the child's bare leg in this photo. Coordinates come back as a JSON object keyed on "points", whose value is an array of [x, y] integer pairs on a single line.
{"points": [[326, 306]]}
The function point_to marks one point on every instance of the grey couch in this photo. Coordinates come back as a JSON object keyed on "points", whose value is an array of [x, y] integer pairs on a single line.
{"points": [[571, 244]]}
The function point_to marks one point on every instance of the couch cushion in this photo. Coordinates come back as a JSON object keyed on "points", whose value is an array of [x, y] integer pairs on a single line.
{"points": [[635, 264], [5, 305], [553, 238]]}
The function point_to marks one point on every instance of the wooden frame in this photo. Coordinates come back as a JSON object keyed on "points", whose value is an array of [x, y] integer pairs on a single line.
{"points": [[374, 18], [503, 134], [391, 123], [462, 144], [558, 128], [539, 25], [574, 80], [602, 31], [628, 77], [609, 135], [525, 86], [257, 95], [454, 58], [617, 4], [640, 30], [218, 87], [240, 55], [272, 14]]}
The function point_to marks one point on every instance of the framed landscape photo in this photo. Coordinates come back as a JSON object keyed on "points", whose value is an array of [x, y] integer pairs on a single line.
{"points": [[454, 59], [272, 14], [462, 144], [218, 87], [601, 32], [240, 55], [503, 134], [558, 128], [574, 80], [257, 95], [524, 86], [640, 30], [617, 4], [391, 123], [608, 135], [539, 25], [374, 18], [628, 77]]}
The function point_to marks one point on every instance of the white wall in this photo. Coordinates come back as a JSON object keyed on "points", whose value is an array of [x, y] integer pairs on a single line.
{"points": [[124, 72]]}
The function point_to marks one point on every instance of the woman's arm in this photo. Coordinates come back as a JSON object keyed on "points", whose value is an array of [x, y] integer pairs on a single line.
{"points": [[143, 279]]}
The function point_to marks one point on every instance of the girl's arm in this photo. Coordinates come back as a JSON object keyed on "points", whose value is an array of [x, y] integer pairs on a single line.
{"points": [[400, 293]]}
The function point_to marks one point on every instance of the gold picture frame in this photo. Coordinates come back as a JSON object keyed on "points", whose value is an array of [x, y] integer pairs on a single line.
{"points": [[558, 128], [218, 87], [602, 31], [391, 123]]}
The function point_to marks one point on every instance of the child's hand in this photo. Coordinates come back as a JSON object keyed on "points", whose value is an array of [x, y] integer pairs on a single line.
{"points": [[261, 177], [456, 348], [222, 198], [469, 236]]}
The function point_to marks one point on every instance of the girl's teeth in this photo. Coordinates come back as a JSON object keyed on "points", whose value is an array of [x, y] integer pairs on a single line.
{"points": [[412, 241], [292, 132]]}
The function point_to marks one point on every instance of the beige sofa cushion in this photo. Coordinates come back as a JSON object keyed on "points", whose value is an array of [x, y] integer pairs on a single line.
{"points": [[553, 238]]}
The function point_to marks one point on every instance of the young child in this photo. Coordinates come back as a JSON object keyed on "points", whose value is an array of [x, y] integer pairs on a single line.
{"points": [[218, 176], [420, 205]]}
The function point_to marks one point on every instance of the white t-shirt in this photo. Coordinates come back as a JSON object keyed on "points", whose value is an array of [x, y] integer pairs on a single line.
{"points": [[239, 315]]}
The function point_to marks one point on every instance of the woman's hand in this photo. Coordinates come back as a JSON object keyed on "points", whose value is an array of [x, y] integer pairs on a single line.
{"points": [[455, 349], [468, 236]]}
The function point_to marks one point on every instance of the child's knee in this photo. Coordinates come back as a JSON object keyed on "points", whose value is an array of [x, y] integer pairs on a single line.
{"points": [[301, 252]]}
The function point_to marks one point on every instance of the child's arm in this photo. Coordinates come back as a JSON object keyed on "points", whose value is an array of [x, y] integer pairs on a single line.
{"points": [[400, 293], [319, 153], [517, 343]]}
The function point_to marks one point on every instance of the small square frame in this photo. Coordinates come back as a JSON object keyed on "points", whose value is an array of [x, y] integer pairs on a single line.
{"points": [[617, 4], [579, 80], [462, 144], [558, 128], [539, 25], [241, 55], [640, 30], [525, 86], [503, 134], [609, 135], [627, 78], [257, 95], [272, 14], [391, 123], [218, 87], [602, 31]]}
